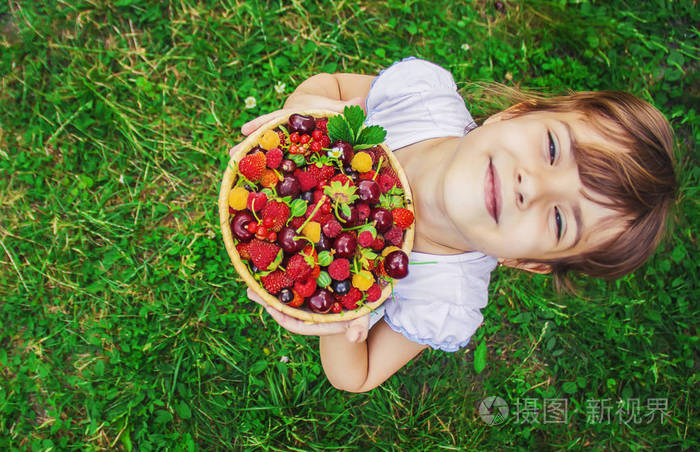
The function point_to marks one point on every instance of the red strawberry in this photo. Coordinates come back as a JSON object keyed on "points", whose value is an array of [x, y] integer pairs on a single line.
{"points": [[278, 211], [256, 201], [343, 179], [350, 299], [367, 175], [262, 253], [374, 292], [276, 281], [274, 158], [394, 236], [252, 166], [297, 268], [365, 239], [403, 218], [306, 287], [296, 222], [332, 228], [316, 272], [339, 269], [242, 249]]}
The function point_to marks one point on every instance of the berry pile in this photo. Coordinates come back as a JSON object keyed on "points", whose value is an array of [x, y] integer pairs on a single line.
{"points": [[317, 221]]}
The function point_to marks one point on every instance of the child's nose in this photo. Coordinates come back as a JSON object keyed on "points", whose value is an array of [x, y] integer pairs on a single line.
{"points": [[532, 187]]}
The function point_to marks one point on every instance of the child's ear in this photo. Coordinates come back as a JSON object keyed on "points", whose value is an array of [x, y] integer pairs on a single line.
{"points": [[532, 267]]}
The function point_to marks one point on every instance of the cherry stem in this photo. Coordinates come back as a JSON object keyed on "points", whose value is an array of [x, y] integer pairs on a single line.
{"points": [[313, 212], [379, 165]]}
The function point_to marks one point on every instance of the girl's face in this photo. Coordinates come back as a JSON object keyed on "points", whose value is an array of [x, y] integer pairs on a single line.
{"points": [[514, 190]]}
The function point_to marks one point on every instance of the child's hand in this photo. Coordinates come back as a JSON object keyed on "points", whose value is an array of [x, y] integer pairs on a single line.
{"points": [[355, 330], [318, 102]]}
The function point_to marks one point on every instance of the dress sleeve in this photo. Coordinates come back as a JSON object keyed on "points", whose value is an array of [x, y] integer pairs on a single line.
{"points": [[439, 304], [414, 100]]}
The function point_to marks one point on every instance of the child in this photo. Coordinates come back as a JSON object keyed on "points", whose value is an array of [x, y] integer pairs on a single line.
{"points": [[579, 182]]}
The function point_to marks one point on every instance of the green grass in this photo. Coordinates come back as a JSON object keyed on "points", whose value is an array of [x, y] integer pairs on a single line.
{"points": [[122, 323]]}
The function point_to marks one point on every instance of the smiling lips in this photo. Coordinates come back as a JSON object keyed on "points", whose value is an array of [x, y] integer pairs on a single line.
{"points": [[492, 192]]}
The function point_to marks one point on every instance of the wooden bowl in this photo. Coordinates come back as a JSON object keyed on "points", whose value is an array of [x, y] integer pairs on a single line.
{"points": [[301, 313]]}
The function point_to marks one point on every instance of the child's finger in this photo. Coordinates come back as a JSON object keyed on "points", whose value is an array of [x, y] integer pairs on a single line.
{"points": [[357, 329], [256, 298]]}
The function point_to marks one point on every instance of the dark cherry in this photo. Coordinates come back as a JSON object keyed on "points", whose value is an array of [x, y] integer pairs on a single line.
{"points": [[321, 301], [369, 191], [286, 240], [382, 218], [345, 245], [286, 295], [341, 287], [239, 225], [396, 264], [301, 123], [348, 221], [345, 148], [289, 186], [324, 243], [308, 196], [288, 166]]}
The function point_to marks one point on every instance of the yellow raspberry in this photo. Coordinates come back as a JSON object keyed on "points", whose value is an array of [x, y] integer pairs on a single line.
{"points": [[362, 280], [269, 178], [269, 140], [361, 162], [312, 231], [389, 249], [237, 198]]}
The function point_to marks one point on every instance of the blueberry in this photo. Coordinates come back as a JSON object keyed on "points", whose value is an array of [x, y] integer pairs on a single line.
{"points": [[341, 287], [286, 295]]}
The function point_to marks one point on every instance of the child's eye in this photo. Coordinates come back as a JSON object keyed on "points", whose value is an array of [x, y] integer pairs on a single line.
{"points": [[552, 148], [558, 222]]}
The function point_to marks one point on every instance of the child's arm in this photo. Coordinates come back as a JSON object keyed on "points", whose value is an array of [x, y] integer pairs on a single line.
{"points": [[353, 360], [362, 366]]}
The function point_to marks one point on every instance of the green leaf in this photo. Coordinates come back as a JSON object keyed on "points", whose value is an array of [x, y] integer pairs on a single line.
{"points": [[163, 417], [338, 129], [183, 410], [569, 387], [298, 207], [324, 279], [480, 357], [346, 210], [258, 367], [371, 135], [354, 117]]}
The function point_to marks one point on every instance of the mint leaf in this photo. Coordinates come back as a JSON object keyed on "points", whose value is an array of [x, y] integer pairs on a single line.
{"points": [[298, 159], [338, 129], [371, 135], [354, 117]]}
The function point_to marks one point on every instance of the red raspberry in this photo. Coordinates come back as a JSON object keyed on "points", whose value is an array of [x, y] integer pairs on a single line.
{"points": [[274, 158], [336, 308], [296, 222], [306, 287], [317, 134], [365, 239], [362, 211], [374, 292], [394, 235], [332, 228], [386, 182], [350, 299], [322, 124], [378, 243], [306, 180], [339, 269], [325, 141]]}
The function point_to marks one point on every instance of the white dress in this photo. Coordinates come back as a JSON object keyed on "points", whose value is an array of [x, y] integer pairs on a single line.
{"points": [[439, 303]]}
